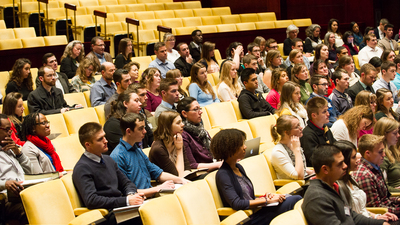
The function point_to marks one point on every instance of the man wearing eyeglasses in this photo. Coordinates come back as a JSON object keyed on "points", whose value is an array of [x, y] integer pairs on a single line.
{"points": [[98, 55], [46, 98]]}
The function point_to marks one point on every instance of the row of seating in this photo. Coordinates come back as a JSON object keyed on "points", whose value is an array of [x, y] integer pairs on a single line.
{"points": [[32, 42]]}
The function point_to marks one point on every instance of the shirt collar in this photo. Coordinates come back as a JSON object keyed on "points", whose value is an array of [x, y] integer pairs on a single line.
{"points": [[92, 156], [363, 85], [159, 62], [166, 104], [104, 83], [373, 165], [383, 81], [98, 55]]}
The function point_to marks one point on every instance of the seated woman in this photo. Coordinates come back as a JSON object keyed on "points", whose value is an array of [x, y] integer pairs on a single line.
{"points": [[388, 55], [199, 87], [235, 187], [391, 163], [208, 58], [291, 33], [261, 42], [300, 76], [228, 87], [329, 40], [172, 54], [177, 75], [38, 147], [368, 99], [350, 192], [346, 62], [13, 107], [333, 26], [151, 78], [124, 53], [196, 140], [127, 102], [287, 156], [349, 44], [321, 67], [355, 29], [167, 151], [384, 104], [274, 60], [313, 39], [278, 79], [84, 78], [351, 122], [295, 57], [21, 78], [73, 55], [133, 68], [290, 103]]}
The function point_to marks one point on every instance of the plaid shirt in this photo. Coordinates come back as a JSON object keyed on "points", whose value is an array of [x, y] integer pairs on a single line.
{"points": [[372, 182]]}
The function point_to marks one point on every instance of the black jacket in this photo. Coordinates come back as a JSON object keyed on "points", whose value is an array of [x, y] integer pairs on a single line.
{"points": [[68, 67], [253, 105], [62, 77], [183, 66], [45, 102], [195, 52], [355, 89]]}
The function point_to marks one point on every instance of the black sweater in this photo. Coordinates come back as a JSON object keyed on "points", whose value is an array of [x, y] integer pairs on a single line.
{"points": [[253, 105]]}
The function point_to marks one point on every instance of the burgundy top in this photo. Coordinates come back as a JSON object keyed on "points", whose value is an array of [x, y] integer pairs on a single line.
{"points": [[195, 151], [152, 101]]}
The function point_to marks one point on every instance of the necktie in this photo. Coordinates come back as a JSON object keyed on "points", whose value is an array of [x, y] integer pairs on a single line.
{"points": [[389, 86]]}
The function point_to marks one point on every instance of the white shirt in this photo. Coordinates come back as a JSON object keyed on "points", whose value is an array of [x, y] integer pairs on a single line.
{"points": [[172, 56], [368, 53], [340, 132], [58, 84]]}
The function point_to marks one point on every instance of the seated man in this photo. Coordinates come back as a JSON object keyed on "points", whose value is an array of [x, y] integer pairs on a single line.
{"points": [[122, 79], [369, 51], [251, 102], [196, 45], [388, 74], [185, 62], [98, 56], [340, 99], [99, 182], [254, 49], [46, 98], [319, 85], [297, 43], [322, 202], [134, 163], [250, 61], [388, 42], [316, 132], [161, 62], [104, 88], [170, 95], [13, 165], [367, 77], [369, 176]]}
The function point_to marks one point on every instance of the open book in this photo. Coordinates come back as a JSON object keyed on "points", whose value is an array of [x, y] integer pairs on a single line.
{"points": [[195, 174]]}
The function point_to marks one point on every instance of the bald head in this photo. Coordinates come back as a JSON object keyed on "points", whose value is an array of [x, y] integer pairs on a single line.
{"points": [[107, 71]]}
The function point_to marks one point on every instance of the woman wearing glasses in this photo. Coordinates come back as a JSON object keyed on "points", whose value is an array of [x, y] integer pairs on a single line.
{"points": [[196, 140], [38, 147], [169, 40]]}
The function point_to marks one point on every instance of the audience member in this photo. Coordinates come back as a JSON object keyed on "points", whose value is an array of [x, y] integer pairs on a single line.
{"points": [[369, 51], [228, 87], [287, 156], [185, 61], [134, 163], [297, 43], [250, 61], [274, 60], [73, 55], [340, 52], [172, 54], [177, 75], [98, 56], [124, 53], [279, 78], [355, 29], [322, 201], [313, 39], [251, 102], [380, 30], [291, 33], [340, 99], [196, 45], [38, 147], [384, 102], [261, 42], [348, 125], [348, 39], [389, 128], [104, 88], [316, 132], [300, 76], [329, 40], [333, 26], [196, 140], [151, 78], [388, 42], [368, 76], [96, 177], [133, 69], [167, 151], [122, 80], [377, 63], [235, 53], [46, 98], [235, 187], [368, 99], [369, 176], [290, 103], [271, 44], [346, 63], [20, 79], [161, 62], [254, 49], [170, 96], [322, 53], [295, 56], [208, 57], [368, 30], [199, 87], [13, 107], [388, 55], [320, 67], [388, 74], [84, 78], [396, 80]]}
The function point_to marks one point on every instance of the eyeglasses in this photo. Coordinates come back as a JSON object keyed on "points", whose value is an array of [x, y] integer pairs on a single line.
{"points": [[171, 39], [324, 84], [103, 45], [43, 123], [7, 129], [197, 110]]}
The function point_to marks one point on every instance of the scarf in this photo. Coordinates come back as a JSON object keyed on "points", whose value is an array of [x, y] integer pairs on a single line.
{"points": [[293, 158], [48, 147], [199, 132], [301, 113]]}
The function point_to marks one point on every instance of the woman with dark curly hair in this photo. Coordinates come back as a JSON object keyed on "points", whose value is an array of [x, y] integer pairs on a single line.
{"points": [[235, 187], [20, 78]]}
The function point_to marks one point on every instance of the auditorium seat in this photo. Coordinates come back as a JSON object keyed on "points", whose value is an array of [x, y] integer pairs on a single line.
{"points": [[205, 119], [211, 20], [218, 57], [2, 24], [230, 19], [154, 6], [283, 23], [135, 8], [144, 15], [226, 27], [34, 73], [213, 131], [207, 29], [192, 21], [245, 26], [55, 40], [145, 1], [150, 24], [4, 77], [62, 3], [356, 62], [25, 32], [115, 9], [261, 127], [126, 2], [280, 48], [172, 22], [85, 3], [48, 202], [76, 118], [164, 1], [83, 22], [302, 22], [7, 34], [266, 16], [218, 119], [182, 13], [239, 117], [75, 98], [26, 109], [221, 11], [297, 207], [87, 97], [173, 5], [216, 75], [100, 114], [243, 126], [202, 12], [108, 2], [32, 42], [101, 8], [122, 16], [191, 4], [248, 17], [165, 14], [292, 217], [58, 125], [264, 25], [144, 61]]}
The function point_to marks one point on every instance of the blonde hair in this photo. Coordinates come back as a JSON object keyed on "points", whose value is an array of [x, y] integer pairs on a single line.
{"points": [[353, 116], [382, 127], [225, 77], [364, 98], [293, 54], [81, 73], [286, 95], [68, 51], [283, 124], [271, 54]]}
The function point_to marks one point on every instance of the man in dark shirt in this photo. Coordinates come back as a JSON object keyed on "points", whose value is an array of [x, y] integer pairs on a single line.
{"points": [[195, 46], [185, 62], [251, 102], [368, 76], [341, 100]]}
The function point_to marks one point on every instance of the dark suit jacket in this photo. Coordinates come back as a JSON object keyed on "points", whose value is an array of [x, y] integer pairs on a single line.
{"points": [[62, 77], [376, 31], [68, 67], [355, 89], [183, 66], [195, 52]]}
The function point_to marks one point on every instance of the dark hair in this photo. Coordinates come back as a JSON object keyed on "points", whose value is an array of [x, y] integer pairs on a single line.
{"points": [[314, 105], [339, 49], [386, 65], [295, 40], [117, 76], [396, 60], [231, 46], [251, 46], [87, 131], [352, 26], [16, 74], [4, 117], [9, 104], [178, 46], [184, 105], [345, 36], [338, 74], [118, 108], [165, 83], [385, 54], [94, 40], [195, 32], [367, 29], [324, 155], [122, 46], [246, 73], [226, 142], [46, 56], [129, 121], [29, 125], [375, 61], [315, 80], [318, 51], [330, 26], [389, 25], [41, 71], [158, 45]]}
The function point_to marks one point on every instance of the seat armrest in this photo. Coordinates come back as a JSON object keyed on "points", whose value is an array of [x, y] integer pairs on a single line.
{"points": [[82, 210], [282, 182], [287, 188], [87, 218], [237, 218], [377, 210], [226, 211]]}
